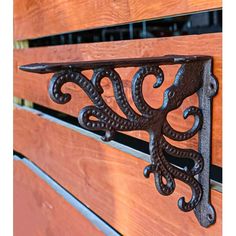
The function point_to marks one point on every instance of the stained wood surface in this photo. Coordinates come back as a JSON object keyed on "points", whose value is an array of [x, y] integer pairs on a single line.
{"points": [[107, 180], [59, 16], [39, 210], [34, 87]]}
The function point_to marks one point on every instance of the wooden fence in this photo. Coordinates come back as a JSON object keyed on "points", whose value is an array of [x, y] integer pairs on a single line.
{"points": [[104, 179]]}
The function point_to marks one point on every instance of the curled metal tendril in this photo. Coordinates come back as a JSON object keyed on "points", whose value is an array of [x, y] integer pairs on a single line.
{"points": [[101, 117], [181, 136], [137, 85]]}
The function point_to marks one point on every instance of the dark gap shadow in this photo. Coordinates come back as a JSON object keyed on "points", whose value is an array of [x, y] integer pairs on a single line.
{"points": [[137, 144], [189, 24]]}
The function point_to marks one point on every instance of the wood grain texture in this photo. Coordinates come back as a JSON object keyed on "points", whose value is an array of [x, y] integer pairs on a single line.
{"points": [[107, 180], [39, 210], [34, 87], [59, 16]]}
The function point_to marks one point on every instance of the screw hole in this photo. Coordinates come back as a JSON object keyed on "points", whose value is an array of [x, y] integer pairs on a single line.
{"points": [[209, 217], [212, 86]]}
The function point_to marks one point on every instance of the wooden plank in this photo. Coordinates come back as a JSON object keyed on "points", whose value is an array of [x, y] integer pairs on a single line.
{"points": [[80, 207], [64, 16], [107, 180], [34, 87], [39, 210]]}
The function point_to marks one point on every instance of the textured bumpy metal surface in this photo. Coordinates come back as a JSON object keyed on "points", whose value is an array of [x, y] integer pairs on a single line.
{"points": [[194, 76]]}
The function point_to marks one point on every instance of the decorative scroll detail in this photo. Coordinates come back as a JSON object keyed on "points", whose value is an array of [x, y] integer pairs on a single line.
{"points": [[188, 80], [152, 120]]}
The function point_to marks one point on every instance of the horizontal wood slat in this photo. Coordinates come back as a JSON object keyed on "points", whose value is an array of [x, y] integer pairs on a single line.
{"points": [[34, 87], [59, 16], [108, 180], [39, 210]]}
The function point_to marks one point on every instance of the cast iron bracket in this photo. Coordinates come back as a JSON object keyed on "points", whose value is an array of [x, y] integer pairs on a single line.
{"points": [[193, 76]]}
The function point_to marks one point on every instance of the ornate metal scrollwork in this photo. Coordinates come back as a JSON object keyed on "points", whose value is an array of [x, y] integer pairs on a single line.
{"points": [[193, 76]]}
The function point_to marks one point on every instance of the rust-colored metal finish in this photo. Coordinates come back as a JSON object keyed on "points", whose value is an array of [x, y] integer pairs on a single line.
{"points": [[193, 76]]}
